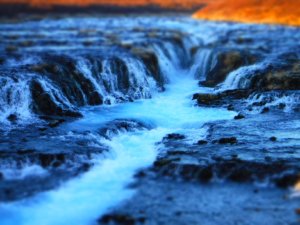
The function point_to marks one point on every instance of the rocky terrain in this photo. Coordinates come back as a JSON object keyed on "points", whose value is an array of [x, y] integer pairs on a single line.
{"points": [[77, 94]]}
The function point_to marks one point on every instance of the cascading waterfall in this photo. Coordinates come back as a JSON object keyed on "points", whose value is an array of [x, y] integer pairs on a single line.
{"points": [[241, 78], [202, 63], [15, 100], [113, 79]]}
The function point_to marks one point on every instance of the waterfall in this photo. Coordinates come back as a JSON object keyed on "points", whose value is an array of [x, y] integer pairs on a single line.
{"points": [[288, 101], [15, 100], [141, 84], [201, 64], [241, 78]]}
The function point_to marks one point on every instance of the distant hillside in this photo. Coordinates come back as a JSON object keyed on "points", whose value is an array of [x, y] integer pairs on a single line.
{"points": [[13, 7], [283, 12], [184, 4]]}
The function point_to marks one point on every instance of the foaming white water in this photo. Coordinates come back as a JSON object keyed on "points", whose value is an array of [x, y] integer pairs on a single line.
{"points": [[82, 200], [241, 78], [202, 63], [15, 99], [290, 101], [14, 173]]}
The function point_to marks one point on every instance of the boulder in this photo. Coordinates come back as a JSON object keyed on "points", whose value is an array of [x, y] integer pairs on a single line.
{"points": [[123, 219], [273, 139], [226, 62], [202, 142], [174, 137], [207, 99], [239, 117], [12, 118], [278, 78], [231, 140]]}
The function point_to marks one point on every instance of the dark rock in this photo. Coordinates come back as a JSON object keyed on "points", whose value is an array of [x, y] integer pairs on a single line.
{"points": [[46, 159], [26, 151], [206, 174], [174, 137], [43, 128], [234, 156], [281, 106], [287, 180], [55, 123], [273, 139], [11, 48], [162, 162], [239, 117], [265, 110], [227, 61], [221, 98], [57, 164], [206, 99], [236, 94], [278, 78], [121, 219], [231, 140], [243, 40], [122, 124], [230, 107], [1, 176], [240, 175], [12, 118], [85, 167], [43, 103], [202, 142]]}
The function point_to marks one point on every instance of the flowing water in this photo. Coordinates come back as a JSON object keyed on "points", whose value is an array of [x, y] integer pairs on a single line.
{"points": [[89, 66], [84, 199]]}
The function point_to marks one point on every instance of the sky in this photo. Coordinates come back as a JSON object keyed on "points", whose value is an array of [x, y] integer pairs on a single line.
{"points": [[285, 12]]}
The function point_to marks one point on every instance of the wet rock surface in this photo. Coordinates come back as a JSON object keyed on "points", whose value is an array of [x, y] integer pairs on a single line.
{"points": [[240, 171], [250, 177], [180, 202]]}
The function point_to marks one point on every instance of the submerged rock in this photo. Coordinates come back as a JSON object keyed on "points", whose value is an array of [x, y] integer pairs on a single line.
{"points": [[239, 117], [121, 219], [174, 137], [231, 140], [273, 139], [12, 117], [202, 142]]}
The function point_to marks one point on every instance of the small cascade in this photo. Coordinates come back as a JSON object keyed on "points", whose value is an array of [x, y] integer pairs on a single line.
{"points": [[241, 78], [61, 83], [15, 100], [202, 63], [169, 61], [287, 101]]}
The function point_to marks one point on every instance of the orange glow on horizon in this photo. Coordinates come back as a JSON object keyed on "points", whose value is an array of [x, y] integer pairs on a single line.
{"points": [[297, 186], [248, 11], [252, 11]]}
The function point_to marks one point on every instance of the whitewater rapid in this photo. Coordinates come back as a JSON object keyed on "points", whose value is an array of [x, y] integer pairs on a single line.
{"points": [[82, 200]]}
